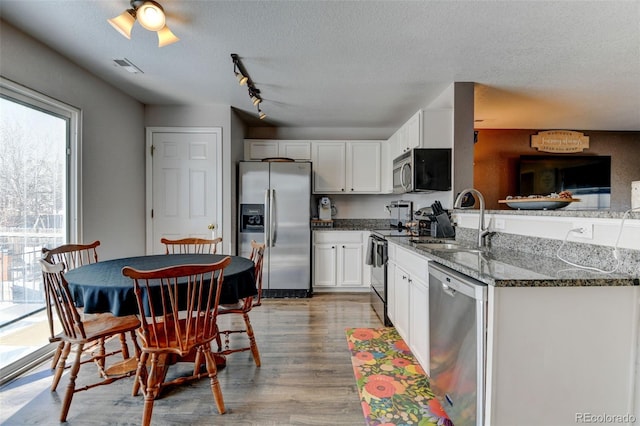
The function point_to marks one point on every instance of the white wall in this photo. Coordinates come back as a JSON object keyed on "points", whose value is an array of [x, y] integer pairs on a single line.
{"points": [[112, 140], [373, 206], [605, 230]]}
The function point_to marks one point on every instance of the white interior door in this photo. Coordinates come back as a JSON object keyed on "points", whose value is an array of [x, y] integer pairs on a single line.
{"points": [[184, 184]]}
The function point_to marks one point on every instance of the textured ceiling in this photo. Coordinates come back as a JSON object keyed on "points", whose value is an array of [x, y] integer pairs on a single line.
{"points": [[536, 64]]}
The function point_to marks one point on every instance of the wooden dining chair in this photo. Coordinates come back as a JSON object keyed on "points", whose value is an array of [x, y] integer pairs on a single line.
{"points": [[82, 333], [178, 308], [72, 256], [191, 245], [243, 308]]}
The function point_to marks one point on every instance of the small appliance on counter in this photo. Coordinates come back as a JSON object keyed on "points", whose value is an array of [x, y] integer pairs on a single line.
{"points": [[325, 209], [401, 213]]}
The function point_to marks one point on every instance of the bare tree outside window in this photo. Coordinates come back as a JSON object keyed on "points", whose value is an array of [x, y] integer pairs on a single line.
{"points": [[33, 147]]}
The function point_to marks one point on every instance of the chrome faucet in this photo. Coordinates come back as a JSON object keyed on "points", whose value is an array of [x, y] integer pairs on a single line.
{"points": [[482, 231]]}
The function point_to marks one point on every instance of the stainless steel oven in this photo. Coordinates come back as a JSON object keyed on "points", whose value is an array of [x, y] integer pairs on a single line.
{"points": [[377, 258]]}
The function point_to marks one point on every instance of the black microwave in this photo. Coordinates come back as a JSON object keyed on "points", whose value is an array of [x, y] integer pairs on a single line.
{"points": [[422, 170]]}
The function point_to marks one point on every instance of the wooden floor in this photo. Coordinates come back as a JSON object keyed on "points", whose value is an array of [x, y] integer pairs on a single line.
{"points": [[306, 377]]}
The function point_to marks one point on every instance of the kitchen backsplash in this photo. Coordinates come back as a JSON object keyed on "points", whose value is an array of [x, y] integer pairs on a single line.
{"points": [[583, 254]]}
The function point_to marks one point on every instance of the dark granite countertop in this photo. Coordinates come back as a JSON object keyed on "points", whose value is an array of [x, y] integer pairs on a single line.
{"points": [[508, 268], [497, 266]]}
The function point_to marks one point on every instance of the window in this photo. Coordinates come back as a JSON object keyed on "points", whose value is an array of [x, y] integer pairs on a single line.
{"points": [[39, 163]]}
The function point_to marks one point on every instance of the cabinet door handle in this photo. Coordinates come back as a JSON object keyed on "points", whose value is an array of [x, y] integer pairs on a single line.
{"points": [[342, 189], [404, 277], [342, 246], [333, 247]]}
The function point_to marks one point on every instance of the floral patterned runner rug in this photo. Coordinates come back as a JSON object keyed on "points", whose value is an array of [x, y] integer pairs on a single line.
{"points": [[394, 389]]}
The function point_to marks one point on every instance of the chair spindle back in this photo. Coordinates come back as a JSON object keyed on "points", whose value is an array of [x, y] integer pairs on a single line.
{"points": [[72, 255], [191, 245], [178, 305], [257, 256], [58, 299]]}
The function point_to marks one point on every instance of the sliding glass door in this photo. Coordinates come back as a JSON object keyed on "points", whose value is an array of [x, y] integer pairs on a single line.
{"points": [[38, 199]]}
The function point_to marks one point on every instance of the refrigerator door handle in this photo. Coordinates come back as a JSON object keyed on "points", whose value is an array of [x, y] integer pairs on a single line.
{"points": [[273, 231], [267, 219]]}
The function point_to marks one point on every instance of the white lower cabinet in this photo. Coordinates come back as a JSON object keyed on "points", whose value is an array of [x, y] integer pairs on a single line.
{"points": [[338, 260], [408, 299], [419, 320], [401, 302]]}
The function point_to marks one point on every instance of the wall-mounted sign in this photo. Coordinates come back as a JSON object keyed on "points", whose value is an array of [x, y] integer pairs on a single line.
{"points": [[560, 141]]}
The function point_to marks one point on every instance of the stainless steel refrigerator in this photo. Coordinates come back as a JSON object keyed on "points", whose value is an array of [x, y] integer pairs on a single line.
{"points": [[275, 208]]}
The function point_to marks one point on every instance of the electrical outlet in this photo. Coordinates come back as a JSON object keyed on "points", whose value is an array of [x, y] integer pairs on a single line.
{"points": [[499, 224], [586, 230]]}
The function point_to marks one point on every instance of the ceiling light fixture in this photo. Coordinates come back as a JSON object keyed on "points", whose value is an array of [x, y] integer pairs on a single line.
{"points": [[243, 78], [150, 15]]}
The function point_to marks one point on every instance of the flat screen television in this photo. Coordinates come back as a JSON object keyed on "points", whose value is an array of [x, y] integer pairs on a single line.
{"points": [[588, 176]]}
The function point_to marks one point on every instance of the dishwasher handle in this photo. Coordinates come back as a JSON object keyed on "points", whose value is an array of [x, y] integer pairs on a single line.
{"points": [[448, 290]]}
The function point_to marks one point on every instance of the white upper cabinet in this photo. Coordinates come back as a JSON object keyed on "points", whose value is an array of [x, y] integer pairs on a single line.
{"points": [[258, 149], [297, 150], [348, 167], [437, 128], [329, 167], [407, 137], [427, 128], [363, 166]]}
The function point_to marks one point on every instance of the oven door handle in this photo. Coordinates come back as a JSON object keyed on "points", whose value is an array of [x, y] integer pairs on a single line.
{"points": [[380, 254]]}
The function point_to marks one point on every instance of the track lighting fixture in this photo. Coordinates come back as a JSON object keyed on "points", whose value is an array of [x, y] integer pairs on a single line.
{"points": [[150, 15], [243, 78]]}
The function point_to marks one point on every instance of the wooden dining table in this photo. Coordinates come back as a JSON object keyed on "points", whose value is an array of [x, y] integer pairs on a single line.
{"points": [[100, 287]]}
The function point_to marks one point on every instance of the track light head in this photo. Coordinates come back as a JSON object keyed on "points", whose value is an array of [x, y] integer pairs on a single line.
{"points": [[254, 94], [240, 76], [242, 79]]}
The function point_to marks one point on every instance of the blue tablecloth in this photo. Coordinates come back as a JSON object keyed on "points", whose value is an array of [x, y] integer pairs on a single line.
{"points": [[101, 287]]}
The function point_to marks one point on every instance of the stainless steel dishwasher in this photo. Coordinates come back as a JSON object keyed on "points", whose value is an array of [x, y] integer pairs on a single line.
{"points": [[457, 324]]}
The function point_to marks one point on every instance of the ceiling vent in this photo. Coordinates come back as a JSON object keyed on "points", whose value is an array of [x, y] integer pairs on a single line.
{"points": [[127, 65]]}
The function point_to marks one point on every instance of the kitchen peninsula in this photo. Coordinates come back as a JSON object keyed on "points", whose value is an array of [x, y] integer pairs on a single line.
{"points": [[559, 342]]}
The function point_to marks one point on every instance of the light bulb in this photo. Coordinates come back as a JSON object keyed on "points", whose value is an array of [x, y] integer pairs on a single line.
{"points": [[151, 16]]}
